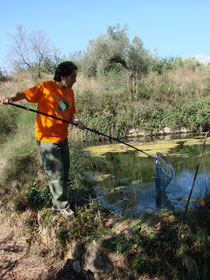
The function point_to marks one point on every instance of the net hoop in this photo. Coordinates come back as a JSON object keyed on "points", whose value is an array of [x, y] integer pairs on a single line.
{"points": [[165, 165]]}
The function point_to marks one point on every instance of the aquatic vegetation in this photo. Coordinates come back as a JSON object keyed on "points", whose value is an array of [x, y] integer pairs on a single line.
{"points": [[162, 146], [151, 148], [125, 182]]}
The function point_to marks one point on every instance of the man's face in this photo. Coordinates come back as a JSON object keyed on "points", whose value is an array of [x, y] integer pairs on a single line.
{"points": [[69, 80]]}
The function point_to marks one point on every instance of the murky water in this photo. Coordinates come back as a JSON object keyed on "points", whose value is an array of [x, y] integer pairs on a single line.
{"points": [[125, 182]]}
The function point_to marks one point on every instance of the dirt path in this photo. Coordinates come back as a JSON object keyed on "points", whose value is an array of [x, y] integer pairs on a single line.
{"points": [[21, 259]]}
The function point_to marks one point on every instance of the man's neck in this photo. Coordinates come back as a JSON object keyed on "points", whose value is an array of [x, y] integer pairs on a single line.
{"points": [[61, 85]]}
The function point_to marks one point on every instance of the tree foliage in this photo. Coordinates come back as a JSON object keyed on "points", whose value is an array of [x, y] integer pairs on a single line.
{"points": [[113, 51], [51, 62]]}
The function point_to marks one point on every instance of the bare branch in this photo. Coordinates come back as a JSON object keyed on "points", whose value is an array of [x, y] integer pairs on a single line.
{"points": [[29, 50]]}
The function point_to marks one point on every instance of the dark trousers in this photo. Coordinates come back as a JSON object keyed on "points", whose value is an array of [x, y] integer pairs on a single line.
{"points": [[56, 163]]}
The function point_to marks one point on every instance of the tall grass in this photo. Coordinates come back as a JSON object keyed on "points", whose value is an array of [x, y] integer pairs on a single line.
{"points": [[176, 99], [19, 148], [17, 128]]}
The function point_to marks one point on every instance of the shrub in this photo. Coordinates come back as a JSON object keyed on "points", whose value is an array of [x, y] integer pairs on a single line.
{"points": [[8, 121]]}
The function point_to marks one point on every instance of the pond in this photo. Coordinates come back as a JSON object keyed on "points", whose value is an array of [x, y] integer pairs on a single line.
{"points": [[124, 179]]}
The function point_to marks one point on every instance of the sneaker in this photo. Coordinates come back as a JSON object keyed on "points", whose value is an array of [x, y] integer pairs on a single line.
{"points": [[67, 213]]}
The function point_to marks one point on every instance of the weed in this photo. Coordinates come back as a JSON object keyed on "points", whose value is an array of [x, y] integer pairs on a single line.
{"points": [[62, 236], [38, 196], [8, 122]]}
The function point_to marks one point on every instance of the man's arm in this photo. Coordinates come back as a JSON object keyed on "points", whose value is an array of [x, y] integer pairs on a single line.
{"points": [[17, 97]]}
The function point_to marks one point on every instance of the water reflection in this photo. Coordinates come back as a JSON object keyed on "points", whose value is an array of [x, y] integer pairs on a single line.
{"points": [[126, 183], [162, 201]]}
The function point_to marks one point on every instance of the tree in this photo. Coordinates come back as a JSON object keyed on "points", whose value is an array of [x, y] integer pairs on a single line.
{"points": [[51, 62], [106, 53], [29, 51], [114, 52]]}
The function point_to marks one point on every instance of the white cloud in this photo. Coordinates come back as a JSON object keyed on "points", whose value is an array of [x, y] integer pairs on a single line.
{"points": [[205, 59]]}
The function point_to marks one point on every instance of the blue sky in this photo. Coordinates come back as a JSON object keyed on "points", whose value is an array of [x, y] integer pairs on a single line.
{"points": [[171, 27]]}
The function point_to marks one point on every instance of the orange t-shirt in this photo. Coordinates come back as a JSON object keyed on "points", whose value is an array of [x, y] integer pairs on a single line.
{"points": [[54, 101]]}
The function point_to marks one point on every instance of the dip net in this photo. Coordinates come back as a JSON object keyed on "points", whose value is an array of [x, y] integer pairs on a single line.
{"points": [[164, 173]]}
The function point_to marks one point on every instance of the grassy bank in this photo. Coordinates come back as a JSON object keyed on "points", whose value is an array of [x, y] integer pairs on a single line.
{"points": [[176, 99]]}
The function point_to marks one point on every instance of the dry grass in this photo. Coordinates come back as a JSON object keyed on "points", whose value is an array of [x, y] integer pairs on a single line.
{"points": [[86, 84], [21, 81], [178, 85], [179, 78], [18, 82], [20, 254], [183, 76]]}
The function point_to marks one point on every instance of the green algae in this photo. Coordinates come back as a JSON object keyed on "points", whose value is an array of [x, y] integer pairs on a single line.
{"points": [[162, 146]]}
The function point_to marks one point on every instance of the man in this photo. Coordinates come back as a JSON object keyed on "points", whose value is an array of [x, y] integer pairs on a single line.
{"points": [[55, 98]]}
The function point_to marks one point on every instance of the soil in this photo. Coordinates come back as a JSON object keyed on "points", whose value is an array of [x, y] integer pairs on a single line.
{"points": [[23, 258]]}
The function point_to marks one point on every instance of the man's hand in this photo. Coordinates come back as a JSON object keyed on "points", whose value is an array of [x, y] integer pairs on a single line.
{"points": [[5, 100], [17, 97], [79, 124]]}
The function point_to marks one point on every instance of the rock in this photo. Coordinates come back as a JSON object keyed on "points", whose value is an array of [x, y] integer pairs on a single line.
{"points": [[135, 132], [79, 250], [75, 250], [96, 261], [76, 266], [136, 182]]}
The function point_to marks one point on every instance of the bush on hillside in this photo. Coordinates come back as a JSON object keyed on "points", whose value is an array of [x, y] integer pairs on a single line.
{"points": [[8, 121], [3, 76]]}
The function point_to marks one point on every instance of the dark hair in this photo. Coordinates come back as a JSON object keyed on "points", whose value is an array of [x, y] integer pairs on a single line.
{"points": [[64, 69]]}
